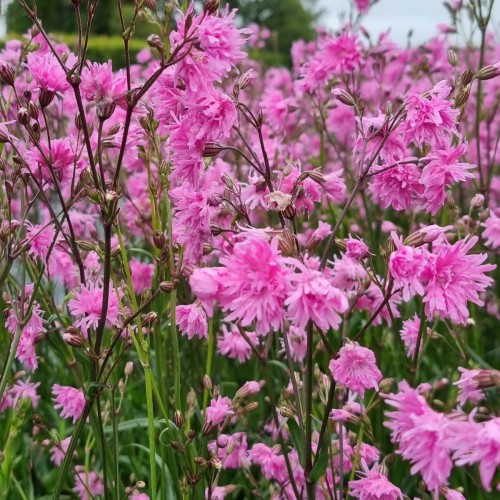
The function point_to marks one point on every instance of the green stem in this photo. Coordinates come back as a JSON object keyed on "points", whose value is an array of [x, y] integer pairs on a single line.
{"points": [[210, 355], [175, 350], [151, 430]]}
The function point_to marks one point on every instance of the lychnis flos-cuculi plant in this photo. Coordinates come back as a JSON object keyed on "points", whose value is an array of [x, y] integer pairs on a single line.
{"points": [[227, 280]]}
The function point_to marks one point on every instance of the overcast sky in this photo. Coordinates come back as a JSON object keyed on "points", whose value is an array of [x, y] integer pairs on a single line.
{"points": [[421, 16]]}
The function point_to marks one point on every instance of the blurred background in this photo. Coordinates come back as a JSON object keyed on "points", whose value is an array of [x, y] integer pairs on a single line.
{"points": [[287, 20]]}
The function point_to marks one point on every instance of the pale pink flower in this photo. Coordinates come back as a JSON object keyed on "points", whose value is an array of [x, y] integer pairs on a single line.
{"points": [[478, 444], [192, 320], [356, 368], [85, 483], [218, 410], [87, 305], [409, 334], [59, 450], [468, 386], [142, 274], [430, 118], [272, 465], [452, 279], [205, 283], [24, 389], [491, 231], [374, 485], [405, 266], [40, 239], [233, 345], [239, 446], [441, 172], [69, 400], [313, 297], [356, 248]]}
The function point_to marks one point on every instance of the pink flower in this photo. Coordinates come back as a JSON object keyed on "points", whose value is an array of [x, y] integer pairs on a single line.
{"points": [[362, 6], [469, 386], [356, 368], [99, 82], [313, 297], [239, 446], [205, 283], [59, 450], [374, 485], [430, 118], [61, 167], [441, 172], [479, 444], [218, 410], [24, 389], [255, 285], [85, 483], [46, 71], [70, 400], [142, 274], [273, 465], [87, 304], [405, 266], [356, 249], [40, 239], [452, 279], [409, 334], [421, 434], [191, 221], [398, 187], [232, 344], [192, 320], [491, 231]]}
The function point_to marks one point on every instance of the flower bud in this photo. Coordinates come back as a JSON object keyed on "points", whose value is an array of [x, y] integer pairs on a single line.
{"points": [[105, 108], [159, 239], [6, 73], [343, 96], [46, 97], [74, 339], [211, 149], [452, 58], [33, 110], [167, 286], [488, 72], [211, 7], [484, 215], [477, 201], [207, 382], [467, 77], [222, 440], [179, 419], [129, 368], [200, 461], [23, 116], [149, 318], [462, 97], [286, 411]]}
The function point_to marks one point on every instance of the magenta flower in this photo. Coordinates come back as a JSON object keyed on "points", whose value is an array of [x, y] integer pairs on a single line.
{"points": [[87, 483], [374, 485], [87, 305], [218, 410], [24, 389], [69, 400], [356, 368], [452, 279], [59, 450], [409, 334], [356, 248], [40, 239], [491, 231], [142, 274]]}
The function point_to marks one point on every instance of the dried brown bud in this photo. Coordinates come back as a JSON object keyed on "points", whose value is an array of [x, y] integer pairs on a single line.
{"points": [[155, 42], [200, 461]]}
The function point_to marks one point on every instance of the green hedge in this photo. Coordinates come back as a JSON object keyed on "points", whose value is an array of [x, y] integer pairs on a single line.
{"points": [[101, 48]]}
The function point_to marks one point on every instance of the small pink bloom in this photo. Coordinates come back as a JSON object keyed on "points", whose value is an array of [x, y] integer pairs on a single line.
{"points": [[192, 321], [218, 410], [70, 400], [356, 368]]}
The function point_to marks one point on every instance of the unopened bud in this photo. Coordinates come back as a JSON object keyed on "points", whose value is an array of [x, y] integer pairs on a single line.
{"points": [[179, 419], [45, 97], [452, 58], [462, 97], [211, 7], [6, 73], [467, 77], [477, 201], [200, 461], [286, 411], [167, 286], [155, 42], [159, 239], [23, 116], [385, 385], [129, 368], [222, 440], [251, 406], [207, 428], [246, 79], [488, 72], [211, 149], [74, 339], [149, 318], [105, 108], [33, 110], [343, 96], [484, 215], [207, 382]]}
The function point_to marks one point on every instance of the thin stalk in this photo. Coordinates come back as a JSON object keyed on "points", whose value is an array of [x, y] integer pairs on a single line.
{"points": [[151, 430], [310, 487], [210, 355]]}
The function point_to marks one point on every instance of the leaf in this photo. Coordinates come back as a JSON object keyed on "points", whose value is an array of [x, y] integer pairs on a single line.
{"points": [[296, 437], [322, 462]]}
